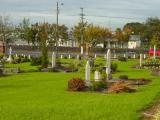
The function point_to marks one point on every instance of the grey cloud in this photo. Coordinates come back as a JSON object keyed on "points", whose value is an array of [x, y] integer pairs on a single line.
{"points": [[137, 9]]}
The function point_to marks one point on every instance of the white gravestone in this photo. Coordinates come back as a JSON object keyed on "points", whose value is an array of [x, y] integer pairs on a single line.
{"points": [[10, 55], [29, 56], [61, 56], [134, 56], [81, 50], [144, 56], [141, 59], [53, 60], [77, 57], [95, 56], [87, 74], [69, 56], [108, 64], [97, 76]]}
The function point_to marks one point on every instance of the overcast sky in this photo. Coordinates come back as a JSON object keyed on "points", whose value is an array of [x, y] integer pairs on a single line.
{"points": [[109, 13]]}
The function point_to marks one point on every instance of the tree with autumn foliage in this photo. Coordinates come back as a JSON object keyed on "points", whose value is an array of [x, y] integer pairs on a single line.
{"points": [[92, 35], [119, 35]]}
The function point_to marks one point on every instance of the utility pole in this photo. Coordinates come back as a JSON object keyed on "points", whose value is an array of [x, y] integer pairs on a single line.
{"points": [[82, 30], [57, 36]]}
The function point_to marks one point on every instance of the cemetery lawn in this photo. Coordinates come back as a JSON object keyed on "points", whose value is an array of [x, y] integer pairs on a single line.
{"points": [[44, 96], [26, 67]]}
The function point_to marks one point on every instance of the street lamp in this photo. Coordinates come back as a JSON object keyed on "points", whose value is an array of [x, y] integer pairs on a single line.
{"points": [[57, 22]]}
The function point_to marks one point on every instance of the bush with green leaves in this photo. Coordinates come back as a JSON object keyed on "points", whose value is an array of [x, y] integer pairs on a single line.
{"points": [[114, 67], [35, 61], [1, 55], [103, 76], [98, 86], [123, 77], [20, 59], [121, 58]]}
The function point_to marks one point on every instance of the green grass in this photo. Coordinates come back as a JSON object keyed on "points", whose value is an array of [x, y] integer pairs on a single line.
{"points": [[26, 67], [44, 96]]}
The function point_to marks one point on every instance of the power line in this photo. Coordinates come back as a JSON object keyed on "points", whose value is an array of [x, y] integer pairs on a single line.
{"points": [[103, 16], [115, 17]]}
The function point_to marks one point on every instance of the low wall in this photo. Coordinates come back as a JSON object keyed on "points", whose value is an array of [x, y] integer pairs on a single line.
{"points": [[73, 50]]}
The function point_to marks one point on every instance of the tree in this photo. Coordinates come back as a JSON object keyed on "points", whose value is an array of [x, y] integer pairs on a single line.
{"points": [[62, 33], [135, 27], [152, 26], [43, 36], [77, 32], [119, 35], [5, 30], [92, 35], [155, 40], [25, 32], [127, 31]]}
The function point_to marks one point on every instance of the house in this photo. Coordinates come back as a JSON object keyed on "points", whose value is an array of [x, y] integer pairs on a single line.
{"points": [[134, 42]]}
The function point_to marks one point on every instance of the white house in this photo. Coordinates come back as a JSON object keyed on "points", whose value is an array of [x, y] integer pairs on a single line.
{"points": [[134, 42]]}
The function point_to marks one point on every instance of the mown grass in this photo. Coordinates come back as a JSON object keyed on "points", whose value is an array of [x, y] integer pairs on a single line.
{"points": [[44, 96], [26, 67]]}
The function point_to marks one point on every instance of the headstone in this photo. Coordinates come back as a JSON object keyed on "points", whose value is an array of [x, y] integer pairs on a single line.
{"points": [[10, 55], [115, 56], [29, 56], [77, 57], [141, 59], [97, 76], [16, 55], [154, 54], [69, 56], [108, 64], [105, 56], [87, 74], [124, 55], [53, 60], [144, 56], [134, 56], [81, 50], [61, 56], [95, 56]]}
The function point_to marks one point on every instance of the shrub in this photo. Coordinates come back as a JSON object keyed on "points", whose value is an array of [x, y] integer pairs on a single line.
{"points": [[1, 55], [120, 58], [114, 67], [20, 59], [36, 61], [104, 76], [72, 67], [76, 84], [16, 60], [1, 72], [120, 86], [151, 63], [123, 77], [98, 86]]}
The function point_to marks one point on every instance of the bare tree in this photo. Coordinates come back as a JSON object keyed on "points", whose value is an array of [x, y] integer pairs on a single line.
{"points": [[5, 30]]}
